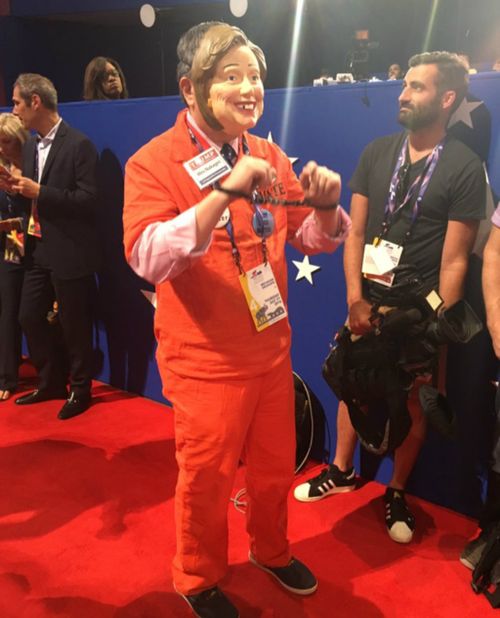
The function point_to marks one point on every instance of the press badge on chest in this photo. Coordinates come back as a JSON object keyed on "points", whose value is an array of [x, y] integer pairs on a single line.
{"points": [[379, 260], [263, 296], [207, 167]]}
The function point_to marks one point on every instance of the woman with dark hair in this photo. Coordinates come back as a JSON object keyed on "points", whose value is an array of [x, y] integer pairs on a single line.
{"points": [[104, 79], [12, 138]]}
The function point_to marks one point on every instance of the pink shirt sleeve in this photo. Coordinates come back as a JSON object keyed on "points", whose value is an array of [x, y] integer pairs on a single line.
{"points": [[167, 248], [310, 239]]}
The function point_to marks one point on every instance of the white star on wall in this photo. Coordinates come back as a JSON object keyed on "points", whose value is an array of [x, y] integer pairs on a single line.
{"points": [[305, 269], [271, 141], [462, 113]]}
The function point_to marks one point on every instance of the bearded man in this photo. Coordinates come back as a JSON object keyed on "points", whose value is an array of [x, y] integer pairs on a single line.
{"points": [[419, 195]]}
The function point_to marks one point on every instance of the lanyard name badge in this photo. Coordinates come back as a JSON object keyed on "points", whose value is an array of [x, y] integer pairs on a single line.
{"points": [[258, 284], [382, 256]]}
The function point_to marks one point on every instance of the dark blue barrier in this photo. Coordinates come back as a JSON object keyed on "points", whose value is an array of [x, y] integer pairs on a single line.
{"points": [[330, 125]]}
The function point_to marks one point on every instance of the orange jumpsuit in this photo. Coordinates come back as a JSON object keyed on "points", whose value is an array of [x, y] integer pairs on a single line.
{"points": [[231, 386]]}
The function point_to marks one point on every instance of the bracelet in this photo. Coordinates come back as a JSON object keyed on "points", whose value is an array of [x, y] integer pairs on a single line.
{"points": [[257, 198]]}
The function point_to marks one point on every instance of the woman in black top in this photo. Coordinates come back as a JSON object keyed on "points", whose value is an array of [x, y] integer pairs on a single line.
{"points": [[12, 138], [104, 79]]}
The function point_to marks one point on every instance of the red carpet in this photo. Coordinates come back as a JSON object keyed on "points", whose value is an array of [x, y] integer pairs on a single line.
{"points": [[86, 530]]}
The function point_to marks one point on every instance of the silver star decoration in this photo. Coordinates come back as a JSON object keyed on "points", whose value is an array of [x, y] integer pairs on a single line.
{"points": [[271, 141], [305, 269], [462, 113], [151, 296]]}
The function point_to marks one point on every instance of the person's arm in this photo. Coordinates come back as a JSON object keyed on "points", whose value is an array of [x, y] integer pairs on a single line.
{"points": [[458, 242], [359, 308], [322, 187], [311, 238], [79, 171], [165, 248], [321, 231], [491, 286], [247, 174]]}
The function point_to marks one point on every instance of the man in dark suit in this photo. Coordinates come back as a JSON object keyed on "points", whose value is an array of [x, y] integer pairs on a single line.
{"points": [[59, 182]]}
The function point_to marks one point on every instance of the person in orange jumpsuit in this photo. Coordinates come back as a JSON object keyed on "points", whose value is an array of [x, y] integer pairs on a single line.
{"points": [[218, 263]]}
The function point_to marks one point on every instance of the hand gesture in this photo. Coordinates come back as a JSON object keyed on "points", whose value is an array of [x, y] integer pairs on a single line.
{"points": [[359, 317], [26, 187], [248, 174], [321, 186], [7, 179]]}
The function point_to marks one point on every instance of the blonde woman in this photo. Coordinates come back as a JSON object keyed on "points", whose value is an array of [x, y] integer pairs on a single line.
{"points": [[12, 138]]}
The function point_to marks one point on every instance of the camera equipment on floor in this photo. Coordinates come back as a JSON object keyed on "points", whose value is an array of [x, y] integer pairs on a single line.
{"points": [[309, 422], [373, 374]]}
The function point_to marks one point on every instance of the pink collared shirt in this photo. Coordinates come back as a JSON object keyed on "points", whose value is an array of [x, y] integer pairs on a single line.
{"points": [[165, 249]]}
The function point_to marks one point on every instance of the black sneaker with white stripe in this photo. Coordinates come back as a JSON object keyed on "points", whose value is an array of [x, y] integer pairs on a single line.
{"points": [[330, 481], [398, 517]]}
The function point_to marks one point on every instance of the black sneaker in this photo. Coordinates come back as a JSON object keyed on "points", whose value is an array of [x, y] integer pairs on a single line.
{"points": [[398, 517], [330, 481], [472, 552], [211, 603], [295, 577]]}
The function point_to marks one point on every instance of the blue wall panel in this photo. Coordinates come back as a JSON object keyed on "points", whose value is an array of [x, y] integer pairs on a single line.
{"points": [[330, 125]]}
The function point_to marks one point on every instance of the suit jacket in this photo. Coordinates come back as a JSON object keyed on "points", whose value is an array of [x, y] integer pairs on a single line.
{"points": [[67, 204]]}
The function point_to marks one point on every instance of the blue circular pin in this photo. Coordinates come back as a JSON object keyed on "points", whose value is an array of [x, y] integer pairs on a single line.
{"points": [[263, 222]]}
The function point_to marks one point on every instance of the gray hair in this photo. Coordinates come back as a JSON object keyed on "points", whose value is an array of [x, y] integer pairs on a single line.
{"points": [[452, 72], [188, 45], [32, 83]]}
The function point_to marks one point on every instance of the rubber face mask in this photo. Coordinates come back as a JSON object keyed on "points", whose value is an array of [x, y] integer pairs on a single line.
{"points": [[236, 93]]}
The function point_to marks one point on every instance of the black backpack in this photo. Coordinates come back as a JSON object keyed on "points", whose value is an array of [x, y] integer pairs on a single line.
{"points": [[365, 375]]}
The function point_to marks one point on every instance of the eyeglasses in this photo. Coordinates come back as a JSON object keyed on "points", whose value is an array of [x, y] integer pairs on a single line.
{"points": [[403, 180]]}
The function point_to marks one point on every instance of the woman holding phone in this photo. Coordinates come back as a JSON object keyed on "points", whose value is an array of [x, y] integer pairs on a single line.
{"points": [[12, 138]]}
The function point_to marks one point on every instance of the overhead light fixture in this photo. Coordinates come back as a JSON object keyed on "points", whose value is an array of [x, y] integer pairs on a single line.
{"points": [[238, 7], [147, 14]]}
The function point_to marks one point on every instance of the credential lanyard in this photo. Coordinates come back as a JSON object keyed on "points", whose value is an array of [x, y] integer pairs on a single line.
{"points": [[229, 226], [421, 182]]}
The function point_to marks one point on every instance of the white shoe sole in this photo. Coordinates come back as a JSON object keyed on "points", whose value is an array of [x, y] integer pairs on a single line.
{"points": [[467, 564], [336, 490], [405, 536]]}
